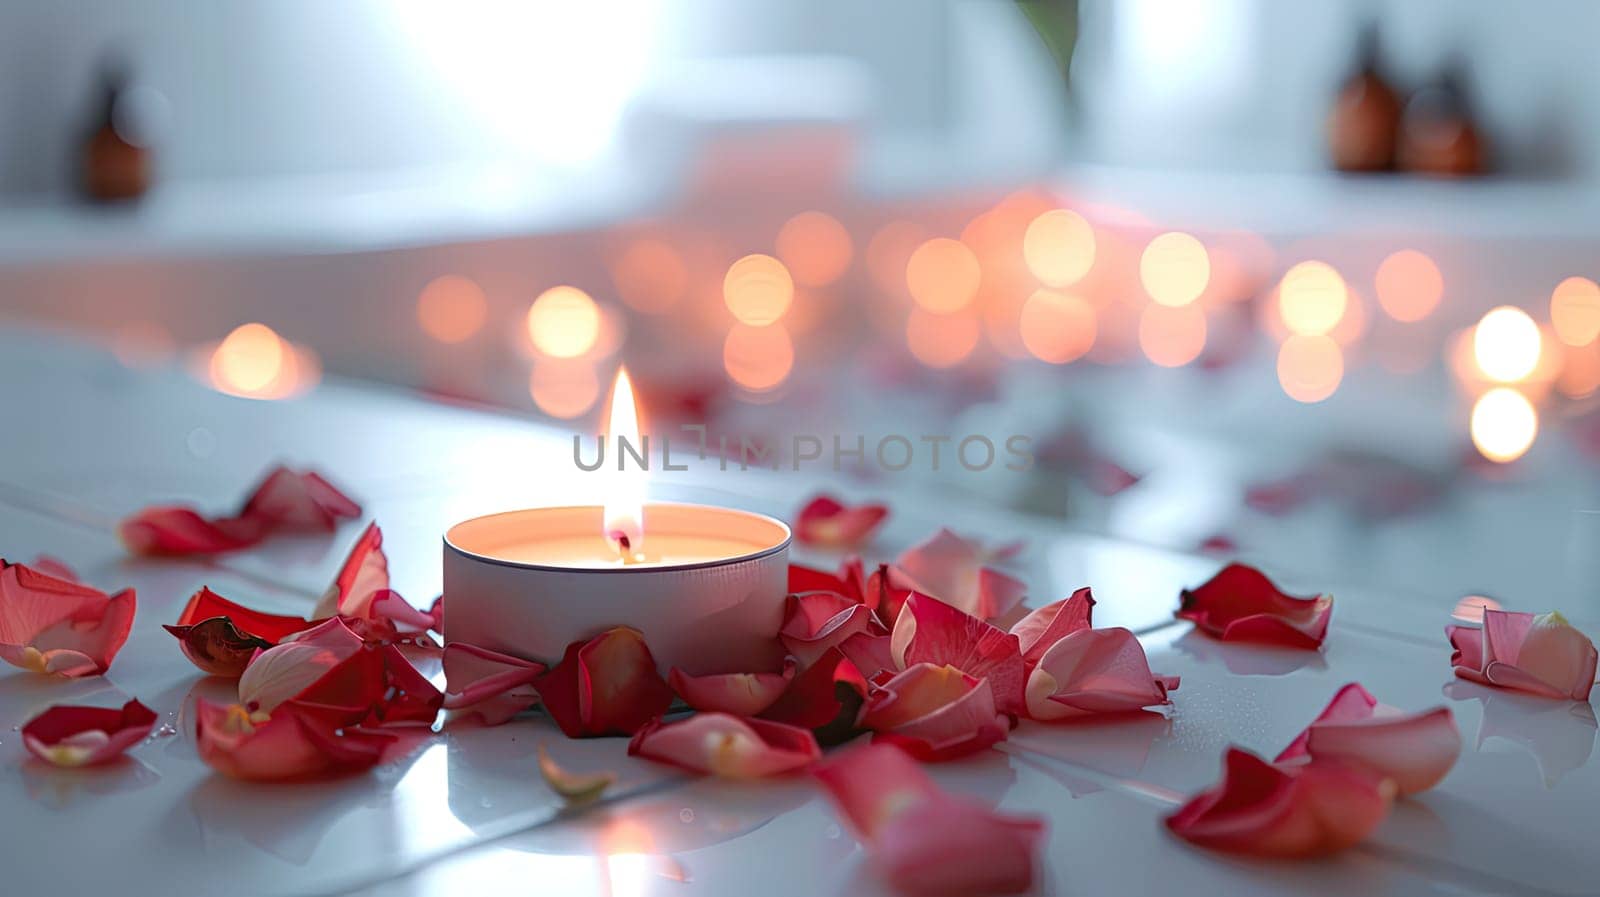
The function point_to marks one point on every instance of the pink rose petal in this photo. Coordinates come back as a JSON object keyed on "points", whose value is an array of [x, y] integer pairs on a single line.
{"points": [[607, 685], [84, 736], [1542, 655], [492, 685], [293, 742], [956, 571], [1241, 604], [284, 671], [293, 500], [741, 694], [1416, 750], [721, 744], [930, 631], [1042, 628], [828, 523], [60, 627], [935, 713], [363, 576], [816, 621], [1095, 671]]}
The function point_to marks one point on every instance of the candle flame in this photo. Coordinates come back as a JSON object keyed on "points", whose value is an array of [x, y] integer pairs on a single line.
{"points": [[624, 507]]}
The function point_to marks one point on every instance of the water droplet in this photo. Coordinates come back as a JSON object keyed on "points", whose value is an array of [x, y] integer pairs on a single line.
{"points": [[831, 831], [686, 814], [167, 730]]}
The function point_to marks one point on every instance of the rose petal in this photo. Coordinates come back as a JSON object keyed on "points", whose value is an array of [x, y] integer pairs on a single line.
{"points": [[930, 631], [826, 522], [1541, 654], [293, 742], [605, 686], [850, 581], [886, 591], [1415, 750], [68, 735], [954, 570], [741, 694], [1094, 671], [871, 654], [176, 531], [365, 573], [1467, 656], [1302, 811], [285, 671], [935, 713], [291, 500], [220, 637], [51, 566], [1042, 628], [721, 744], [1241, 604], [816, 621], [206, 604], [60, 627], [826, 698], [492, 685], [923, 840], [574, 788]]}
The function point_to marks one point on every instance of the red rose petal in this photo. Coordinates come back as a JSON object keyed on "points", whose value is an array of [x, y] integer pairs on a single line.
{"points": [[1241, 604], [605, 686], [1415, 750], [220, 637], [1042, 628], [935, 713], [290, 500], [955, 571], [721, 744], [825, 697], [293, 742], [177, 531], [495, 686], [286, 671], [930, 631], [1263, 810], [1094, 671], [817, 621], [60, 627], [363, 576], [923, 840], [741, 694], [68, 735], [826, 522]]}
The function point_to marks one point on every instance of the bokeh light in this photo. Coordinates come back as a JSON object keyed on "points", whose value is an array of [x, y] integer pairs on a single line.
{"points": [[758, 358], [758, 290], [1505, 344], [1174, 269], [943, 275], [1504, 424], [1310, 367], [816, 247], [451, 308], [888, 252], [1575, 311], [1580, 371], [650, 276], [1311, 298], [941, 341], [564, 387], [1057, 327], [1172, 336], [1471, 607], [248, 359], [1409, 285], [1059, 247], [563, 322], [1353, 324]]}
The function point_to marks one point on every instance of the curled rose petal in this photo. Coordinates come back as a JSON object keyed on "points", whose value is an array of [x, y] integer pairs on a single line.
{"points": [[1042, 628], [956, 571], [930, 631], [83, 736], [607, 685], [828, 523], [813, 622], [574, 788], [363, 576], [826, 697], [492, 685], [923, 840], [741, 694], [292, 742], [220, 637], [60, 627], [935, 713], [291, 500], [1300, 811], [850, 581], [176, 531], [1094, 671], [1415, 750], [721, 744], [1543, 654], [1241, 604], [285, 671]]}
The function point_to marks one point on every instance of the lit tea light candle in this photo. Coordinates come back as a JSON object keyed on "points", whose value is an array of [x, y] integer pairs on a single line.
{"points": [[705, 585]]}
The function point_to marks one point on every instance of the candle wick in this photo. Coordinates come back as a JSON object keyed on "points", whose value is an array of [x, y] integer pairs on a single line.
{"points": [[624, 547]]}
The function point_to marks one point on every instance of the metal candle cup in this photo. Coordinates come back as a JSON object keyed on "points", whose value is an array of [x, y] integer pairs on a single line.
{"points": [[707, 592]]}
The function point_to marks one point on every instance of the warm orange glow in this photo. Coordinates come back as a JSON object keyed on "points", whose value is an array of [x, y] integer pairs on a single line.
{"points": [[1172, 337], [758, 290], [142, 344], [1059, 247], [758, 358], [1575, 311], [1310, 367], [1504, 424], [451, 308], [1057, 327], [1174, 269], [1409, 285], [564, 388], [816, 247], [1311, 298], [888, 252], [651, 276], [943, 275], [256, 363], [1580, 371], [1505, 344], [1470, 608], [1354, 323], [563, 322], [941, 341], [624, 505]]}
